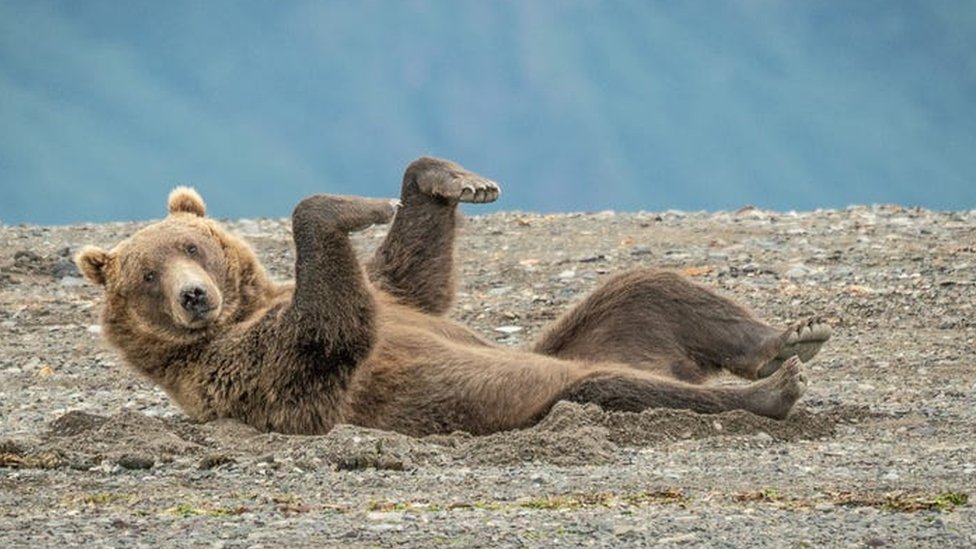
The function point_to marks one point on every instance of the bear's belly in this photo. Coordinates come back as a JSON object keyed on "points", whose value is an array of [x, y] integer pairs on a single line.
{"points": [[420, 382]]}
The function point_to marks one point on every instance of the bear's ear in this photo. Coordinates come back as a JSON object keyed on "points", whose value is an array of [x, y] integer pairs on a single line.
{"points": [[186, 200], [91, 261]]}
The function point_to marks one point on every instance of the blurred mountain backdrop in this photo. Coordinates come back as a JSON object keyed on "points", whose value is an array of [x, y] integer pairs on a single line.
{"points": [[570, 104]]}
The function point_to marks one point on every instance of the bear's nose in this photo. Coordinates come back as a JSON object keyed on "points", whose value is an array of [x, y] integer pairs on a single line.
{"points": [[194, 299]]}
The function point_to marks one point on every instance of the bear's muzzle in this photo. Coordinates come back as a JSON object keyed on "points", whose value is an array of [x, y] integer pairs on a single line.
{"points": [[194, 299]]}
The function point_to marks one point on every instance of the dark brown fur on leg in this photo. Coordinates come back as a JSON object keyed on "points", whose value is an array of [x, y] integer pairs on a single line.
{"points": [[328, 328], [630, 393], [659, 321], [332, 305], [415, 263], [635, 391]]}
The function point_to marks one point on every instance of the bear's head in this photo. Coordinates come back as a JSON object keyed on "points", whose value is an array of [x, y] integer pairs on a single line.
{"points": [[175, 280]]}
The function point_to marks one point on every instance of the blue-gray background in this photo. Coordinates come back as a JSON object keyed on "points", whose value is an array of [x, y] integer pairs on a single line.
{"points": [[570, 104]]}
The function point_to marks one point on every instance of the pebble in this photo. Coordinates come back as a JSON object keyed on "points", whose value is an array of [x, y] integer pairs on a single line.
{"points": [[679, 539], [798, 271], [136, 462], [72, 282], [499, 291]]}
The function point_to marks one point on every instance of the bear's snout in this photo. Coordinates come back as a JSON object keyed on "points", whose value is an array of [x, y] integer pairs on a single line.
{"points": [[194, 299]]}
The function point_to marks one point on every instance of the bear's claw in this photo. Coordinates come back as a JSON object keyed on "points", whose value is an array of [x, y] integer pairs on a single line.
{"points": [[803, 339]]}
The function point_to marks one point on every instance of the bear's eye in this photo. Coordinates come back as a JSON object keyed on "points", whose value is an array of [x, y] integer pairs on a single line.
{"points": [[191, 249], [149, 276]]}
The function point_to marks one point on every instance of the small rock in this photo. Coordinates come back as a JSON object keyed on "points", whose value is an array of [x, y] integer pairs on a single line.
{"points": [[567, 274], [798, 271], [623, 530], [677, 255], [65, 268], [539, 478], [680, 538], [215, 460], [105, 468], [26, 260], [135, 462], [499, 291], [509, 330], [71, 282]]}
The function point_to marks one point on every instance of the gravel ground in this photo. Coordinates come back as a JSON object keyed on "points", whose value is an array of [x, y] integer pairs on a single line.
{"points": [[878, 453]]}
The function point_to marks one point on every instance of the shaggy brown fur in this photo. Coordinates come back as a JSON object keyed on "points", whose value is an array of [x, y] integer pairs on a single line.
{"points": [[189, 306]]}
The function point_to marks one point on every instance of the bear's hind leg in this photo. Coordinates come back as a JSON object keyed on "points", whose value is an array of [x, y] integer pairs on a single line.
{"points": [[771, 397], [415, 263], [658, 321]]}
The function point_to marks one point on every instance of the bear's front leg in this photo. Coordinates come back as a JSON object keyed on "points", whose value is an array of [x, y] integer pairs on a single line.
{"points": [[342, 213], [295, 363], [332, 309]]}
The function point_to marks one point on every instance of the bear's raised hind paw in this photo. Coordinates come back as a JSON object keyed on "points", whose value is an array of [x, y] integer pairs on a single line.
{"points": [[445, 179], [803, 339]]}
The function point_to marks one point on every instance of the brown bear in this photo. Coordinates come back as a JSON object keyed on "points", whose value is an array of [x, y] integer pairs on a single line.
{"points": [[190, 307]]}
